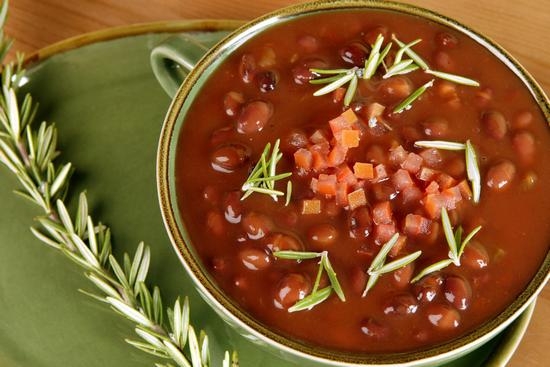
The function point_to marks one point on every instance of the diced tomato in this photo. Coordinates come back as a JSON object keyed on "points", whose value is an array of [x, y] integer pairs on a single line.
{"points": [[303, 159], [445, 181], [398, 247], [410, 195], [384, 232], [432, 188], [319, 161], [345, 174], [363, 170], [465, 189], [322, 148], [318, 137], [451, 196], [380, 173], [402, 179], [349, 138], [398, 155], [311, 206], [337, 156], [357, 198], [433, 203], [342, 194], [382, 213], [345, 121], [426, 174], [412, 163], [432, 157], [326, 185], [416, 225], [338, 95]]}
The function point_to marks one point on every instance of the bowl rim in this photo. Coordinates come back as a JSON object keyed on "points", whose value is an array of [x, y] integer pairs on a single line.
{"points": [[222, 303]]}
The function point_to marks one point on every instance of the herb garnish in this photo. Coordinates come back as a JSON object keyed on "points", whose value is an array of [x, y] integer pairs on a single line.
{"points": [[317, 295], [264, 175], [456, 246], [407, 102], [378, 266]]}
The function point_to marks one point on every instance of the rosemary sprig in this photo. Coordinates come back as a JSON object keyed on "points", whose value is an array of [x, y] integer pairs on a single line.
{"points": [[456, 246], [30, 155], [440, 144], [453, 78], [378, 266], [316, 296], [371, 64], [413, 55], [407, 102]]}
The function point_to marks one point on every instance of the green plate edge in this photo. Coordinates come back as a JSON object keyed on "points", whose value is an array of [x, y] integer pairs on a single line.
{"points": [[99, 90]]}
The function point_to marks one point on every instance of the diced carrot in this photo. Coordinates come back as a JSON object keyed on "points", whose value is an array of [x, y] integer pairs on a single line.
{"points": [[374, 110], [426, 174], [350, 116], [402, 179], [303, 159], [416, 225], [445, 181], [384, 232], [337, 156], [326, 185], [433, 203], [338, 95], [322, 148], [380, 173], [432, 188], [349, 138], [412, 163], [338, 124], [311, 206], [342, 194], [382, 213], [411, 195], [465, 189], [318, 137], [319, 161], [357, 198], [452, 196], [399, 245], [345, 174], [398, 155], [363, 170], [432, 157]]}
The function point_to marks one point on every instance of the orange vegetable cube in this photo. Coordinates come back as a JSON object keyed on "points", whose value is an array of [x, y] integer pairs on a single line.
{"points": [[345, 174], [303, 159], [465, 189], [342, 194], [311, 206], [382, 213], [337, 156], [363, 170], [349, 116], [349, 138], [357, 198]]}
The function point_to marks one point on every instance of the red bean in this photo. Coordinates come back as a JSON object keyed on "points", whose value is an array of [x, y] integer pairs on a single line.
{"points": [[254, 116], [254, 259], [308, 43], [256, 225], [494, 124], [215, 223], [457, 292], [322, 236], [524, 145], [483, 97], [302, 73], [427, 288], [266, 81], [396, 88], [372, 328], [354, 53], [233, 207], [211, 194], [522, 120], [371, 35], [403, 276], [221, 135], [475, 256], [283, 242], [229, 157], [291, 288], [443, 61], [360, 223], [247, 68], [293, 141], [436, 127], [446, 40], [401, 304], [501, 175], [358, 279], [232, 103], [442, 316]]}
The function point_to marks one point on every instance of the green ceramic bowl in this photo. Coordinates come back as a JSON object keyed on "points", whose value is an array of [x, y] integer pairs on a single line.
{"points": [[186, 53]]}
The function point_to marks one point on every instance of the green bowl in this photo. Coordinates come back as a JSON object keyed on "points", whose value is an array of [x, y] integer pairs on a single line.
{"points": [[290, 349]]}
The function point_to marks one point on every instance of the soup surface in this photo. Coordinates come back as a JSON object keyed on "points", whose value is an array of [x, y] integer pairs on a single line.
{"points": [[366, 175]]}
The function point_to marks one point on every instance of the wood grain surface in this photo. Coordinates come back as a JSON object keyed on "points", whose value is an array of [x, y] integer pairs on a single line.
{"points": [[520, 26]]}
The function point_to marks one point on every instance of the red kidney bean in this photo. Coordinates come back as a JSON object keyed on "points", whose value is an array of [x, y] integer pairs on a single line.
{"points": [[215, 223], [308, 43], [522, 120], [372, 328], [266, 81], [443, 61], [254, 259], [475, 256], [302, 73], [354, 53], [254, 116], [402, 277], [322, 236], [293, 141], [358, 279], [483, 97], [446, 40], [291, 288], [401, 304], [442, 316], [232, 103], [457, 292], [427, 288], [524, 145], [233, 207], [229, 157], [283, 242], [396, 88], [360, 223], [500, 175], [436, 127], [256, 225], [247, 68], [494, 124], [221, 135], [211, 194], [371, 35]]}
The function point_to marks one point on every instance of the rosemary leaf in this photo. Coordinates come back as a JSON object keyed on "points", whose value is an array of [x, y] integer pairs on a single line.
{"points": [[194, 350], [328, 71], [403, 49], [84, 250], [288, 192], [271, 178], [472, 170], [149, 338], [176, 354], [61, 179], [467, 240], [47, 240], [379, 259], [334, 85], [432, 268], [406, 104], [103, 286], [326, 80], [413, 55], [147, 348], [129, 312], [332, 277], [440, 144], [312, 300], [64, 216], [119, 273], [383, 54], [296, 255], [453, 78], [262, 190], [373, 278], [398, 68], [350, 92], [448, 230], [399, 263], [373, 61]]}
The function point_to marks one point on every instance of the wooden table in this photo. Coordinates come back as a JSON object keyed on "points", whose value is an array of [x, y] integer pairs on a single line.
{"points": [[521, 26]]}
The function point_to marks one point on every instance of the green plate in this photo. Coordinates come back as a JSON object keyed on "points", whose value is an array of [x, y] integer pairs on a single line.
{"points": [[102, 95]]}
